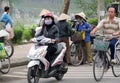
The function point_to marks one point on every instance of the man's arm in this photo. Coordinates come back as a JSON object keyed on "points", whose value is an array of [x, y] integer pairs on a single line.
{"points": [[94, 31], [116, 33], [4, 20], [99, 26]]}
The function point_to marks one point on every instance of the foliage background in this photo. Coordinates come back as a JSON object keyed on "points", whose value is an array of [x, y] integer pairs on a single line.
{"points": [[25, 13]]}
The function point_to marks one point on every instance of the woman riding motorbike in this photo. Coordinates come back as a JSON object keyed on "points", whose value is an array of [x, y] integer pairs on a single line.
{"points": [[49, 30]]}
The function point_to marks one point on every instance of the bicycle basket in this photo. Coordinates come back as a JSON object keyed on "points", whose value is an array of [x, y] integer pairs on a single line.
{"points": [[76, 37], [100, 45], [2, 51]]}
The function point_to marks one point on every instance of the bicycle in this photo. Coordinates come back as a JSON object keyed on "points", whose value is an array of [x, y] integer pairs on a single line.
{"points": [[76, 50], [7, 44], [102, 61]]}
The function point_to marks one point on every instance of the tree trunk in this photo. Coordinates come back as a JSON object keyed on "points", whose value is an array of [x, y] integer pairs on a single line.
{"points": [[65, 6]]}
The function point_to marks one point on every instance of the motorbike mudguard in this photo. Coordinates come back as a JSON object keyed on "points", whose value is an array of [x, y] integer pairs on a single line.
{"points": [[33, 63]]}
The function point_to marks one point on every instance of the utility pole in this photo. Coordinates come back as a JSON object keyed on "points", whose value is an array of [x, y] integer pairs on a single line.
{"points": [[101, 11]]}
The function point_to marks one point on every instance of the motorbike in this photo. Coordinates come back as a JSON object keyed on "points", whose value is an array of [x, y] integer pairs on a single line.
{"points": [[40, 67]]}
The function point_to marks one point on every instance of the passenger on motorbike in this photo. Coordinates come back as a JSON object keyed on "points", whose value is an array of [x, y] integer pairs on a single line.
{"points": [[49, 30]]}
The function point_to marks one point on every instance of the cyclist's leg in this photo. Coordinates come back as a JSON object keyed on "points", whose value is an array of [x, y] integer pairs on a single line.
{"points": [[113, 43], [11, 33]]}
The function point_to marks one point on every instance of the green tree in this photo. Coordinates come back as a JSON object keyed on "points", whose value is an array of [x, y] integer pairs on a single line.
{"points": [[89, 7]]}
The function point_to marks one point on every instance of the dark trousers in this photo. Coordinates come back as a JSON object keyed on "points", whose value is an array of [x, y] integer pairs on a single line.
{"points": [[50, 52], [113, 44]]}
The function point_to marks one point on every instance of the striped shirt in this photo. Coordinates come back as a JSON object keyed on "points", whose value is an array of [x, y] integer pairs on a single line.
{"points": [[109, 27]]}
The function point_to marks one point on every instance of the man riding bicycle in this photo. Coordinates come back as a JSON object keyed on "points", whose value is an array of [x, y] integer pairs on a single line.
{"points": [[7, 23], [111, 29]]}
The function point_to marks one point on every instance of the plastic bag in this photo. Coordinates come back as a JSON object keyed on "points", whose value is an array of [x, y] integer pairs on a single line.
{"points": [[2, 51], [4, 33], [83, 35]]}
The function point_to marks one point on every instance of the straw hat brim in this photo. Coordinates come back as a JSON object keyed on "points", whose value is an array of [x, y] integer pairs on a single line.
{"points": [[63, 17], [82, 15], [44, 12]]}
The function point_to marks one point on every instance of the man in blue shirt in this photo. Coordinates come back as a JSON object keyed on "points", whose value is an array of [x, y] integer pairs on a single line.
{"points": [[82, 25], [7, 22]]}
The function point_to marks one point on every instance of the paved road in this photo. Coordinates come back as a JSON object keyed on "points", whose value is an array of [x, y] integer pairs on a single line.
{"points": [[81, 74]]}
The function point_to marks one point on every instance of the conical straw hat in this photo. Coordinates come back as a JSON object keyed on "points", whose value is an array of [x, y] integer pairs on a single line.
{"points": [[63, 17], [81, 14], [44, 11]]}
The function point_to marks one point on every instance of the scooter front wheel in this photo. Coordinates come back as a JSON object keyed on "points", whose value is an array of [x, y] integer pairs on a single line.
{"points": [[32, 75], [59, 77], [61, 73]]}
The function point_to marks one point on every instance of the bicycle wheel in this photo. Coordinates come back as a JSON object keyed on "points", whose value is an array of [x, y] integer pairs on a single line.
{"points": [[9, 48], [76, 54], [116, 67], [5, 63], [98, 66]]}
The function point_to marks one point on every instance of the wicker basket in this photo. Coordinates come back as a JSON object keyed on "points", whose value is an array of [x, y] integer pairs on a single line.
{"points": [[76, 37], [101, 45]]}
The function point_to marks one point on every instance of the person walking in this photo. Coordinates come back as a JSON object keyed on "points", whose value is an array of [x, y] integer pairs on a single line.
{"points": [[64, 33]]}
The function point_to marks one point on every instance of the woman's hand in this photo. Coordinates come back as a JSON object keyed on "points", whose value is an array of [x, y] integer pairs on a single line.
{"points": [[53, 40], [32, 40]]}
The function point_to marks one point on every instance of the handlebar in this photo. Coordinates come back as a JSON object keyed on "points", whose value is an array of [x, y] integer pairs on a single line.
{"points": [[41, 40], [101, 36]]}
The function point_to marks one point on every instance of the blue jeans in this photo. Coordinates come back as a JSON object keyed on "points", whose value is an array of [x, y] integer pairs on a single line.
{"points": [[113, 44]]}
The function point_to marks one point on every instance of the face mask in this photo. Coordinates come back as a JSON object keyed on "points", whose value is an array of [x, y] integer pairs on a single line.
{"points": [[48, 22], [80, 20]]}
